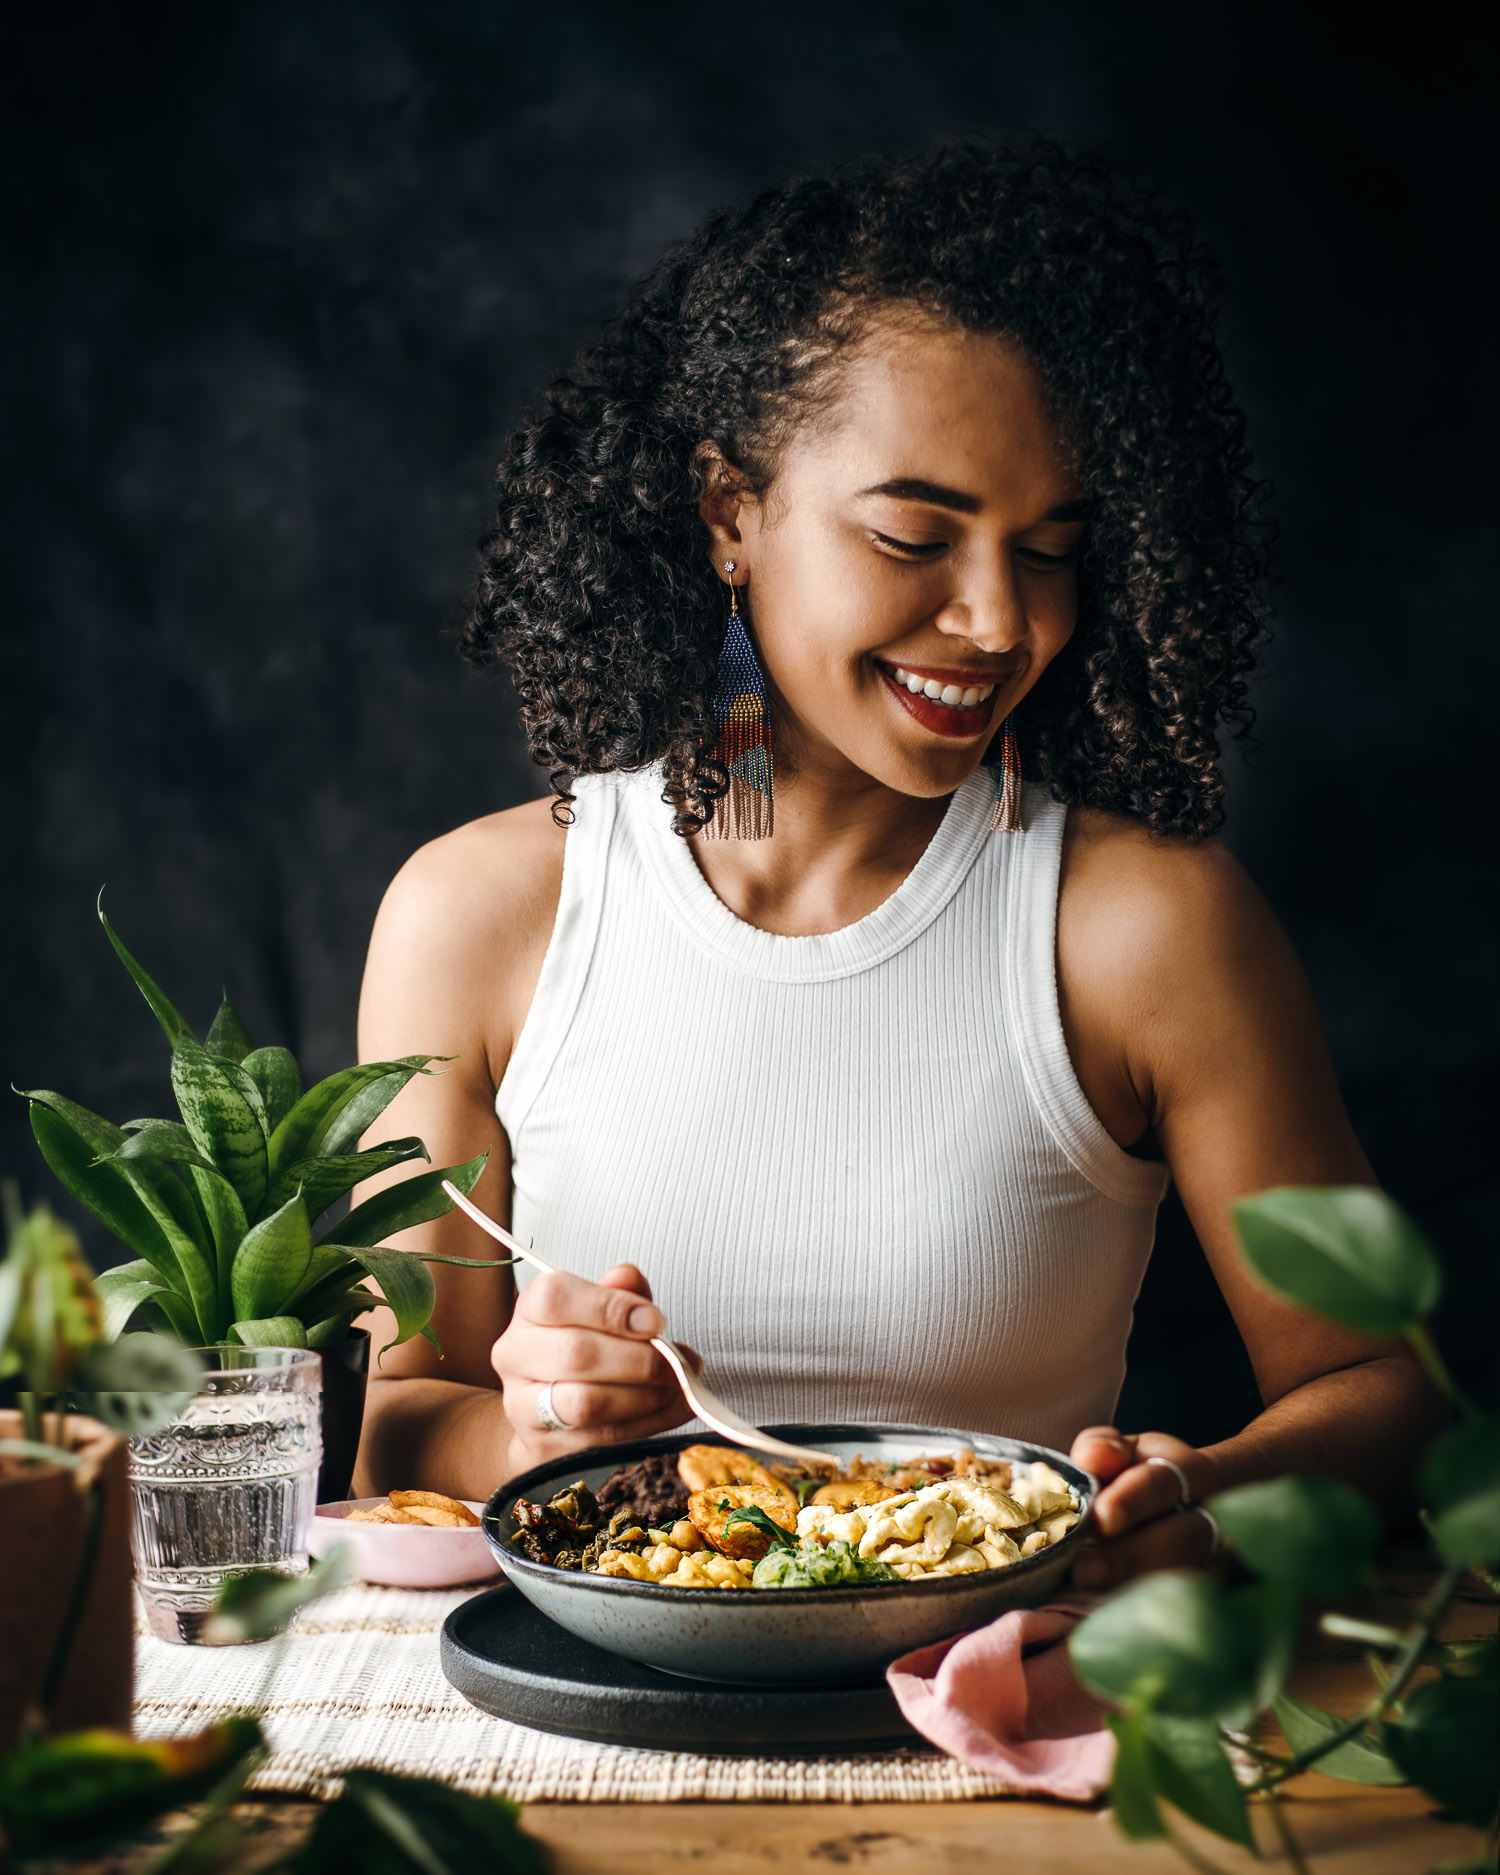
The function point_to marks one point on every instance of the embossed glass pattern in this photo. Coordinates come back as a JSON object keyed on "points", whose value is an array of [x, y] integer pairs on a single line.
{"points": [[230, 1484]]}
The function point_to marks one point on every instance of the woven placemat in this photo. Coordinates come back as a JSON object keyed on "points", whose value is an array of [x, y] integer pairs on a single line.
{"points": [[357, 1681]]}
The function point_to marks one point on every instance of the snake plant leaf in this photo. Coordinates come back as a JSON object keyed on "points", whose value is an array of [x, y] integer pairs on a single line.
{"points": [[186, 1230], [361, 1113], [227, 1038], [223, 1124], [158, 1142], [334, 1326], [250, 1088], [161, 1006], [123, 1289], [72, 1139], [270, 1331], [313, 1125], [407, 1285], [225, 1217], [275, 1072], [414, 1201], [328, 1177], [271, 1261]]}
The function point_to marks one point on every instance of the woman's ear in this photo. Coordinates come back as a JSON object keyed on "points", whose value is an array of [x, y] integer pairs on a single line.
{"points": [[723, 497]]}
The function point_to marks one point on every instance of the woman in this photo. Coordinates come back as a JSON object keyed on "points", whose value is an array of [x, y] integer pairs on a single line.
{"points": [[937, 459]]}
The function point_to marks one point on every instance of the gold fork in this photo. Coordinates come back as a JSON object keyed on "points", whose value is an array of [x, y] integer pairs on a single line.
{"points": [[686, 1365]]}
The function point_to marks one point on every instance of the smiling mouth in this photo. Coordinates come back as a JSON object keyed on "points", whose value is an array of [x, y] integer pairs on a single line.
{"points": [[939, 702]]}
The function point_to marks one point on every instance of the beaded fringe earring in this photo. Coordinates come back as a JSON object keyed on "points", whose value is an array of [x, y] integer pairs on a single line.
{"points": [[1007, 816], [742, 718]]}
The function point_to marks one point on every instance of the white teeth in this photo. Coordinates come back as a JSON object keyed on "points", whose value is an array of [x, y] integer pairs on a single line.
{"points": [[950, 695]]}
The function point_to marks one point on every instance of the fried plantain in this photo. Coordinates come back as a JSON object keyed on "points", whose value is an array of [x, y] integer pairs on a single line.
{"points": [[711, 1509], [702, 1466], [844, 1496]]}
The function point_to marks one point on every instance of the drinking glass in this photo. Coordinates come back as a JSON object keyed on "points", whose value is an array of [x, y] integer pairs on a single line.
{"points": [[228, 1484]]}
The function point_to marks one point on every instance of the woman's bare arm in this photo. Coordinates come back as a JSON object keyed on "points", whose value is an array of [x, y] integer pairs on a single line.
{"points": [[454, 960], [1193, 1030]]}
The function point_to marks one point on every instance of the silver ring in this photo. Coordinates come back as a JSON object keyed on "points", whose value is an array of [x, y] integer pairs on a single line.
{"points": [[546, 1413], [1184, 1489], [1213, 1530]]}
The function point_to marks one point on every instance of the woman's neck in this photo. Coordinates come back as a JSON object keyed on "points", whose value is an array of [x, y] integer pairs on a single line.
{"points": [[841, 847]]}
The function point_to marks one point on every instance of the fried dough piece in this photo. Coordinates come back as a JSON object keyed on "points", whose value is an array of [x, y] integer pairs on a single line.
{"points": [[381, 1513], [858, 1491], [711, 1509], [453, 1513]]}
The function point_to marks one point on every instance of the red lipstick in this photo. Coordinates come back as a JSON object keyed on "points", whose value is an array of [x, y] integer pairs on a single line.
{"points": [[957, 724]]}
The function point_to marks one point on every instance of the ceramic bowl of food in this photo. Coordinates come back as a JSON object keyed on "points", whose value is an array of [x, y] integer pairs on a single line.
{"points": [[407, 1552], [791, 1635]]}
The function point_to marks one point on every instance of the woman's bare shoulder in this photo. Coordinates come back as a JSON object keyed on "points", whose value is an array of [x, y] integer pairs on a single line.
{"points": [[502, 872], [1162, 934], [1148, 892], [464, 926]]}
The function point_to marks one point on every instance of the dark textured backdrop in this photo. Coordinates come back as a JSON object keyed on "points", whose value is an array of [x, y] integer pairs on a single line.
{"points": [[282, 274]]}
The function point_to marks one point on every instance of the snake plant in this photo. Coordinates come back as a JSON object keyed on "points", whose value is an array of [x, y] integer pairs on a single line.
{"points": [[225, 1206]]}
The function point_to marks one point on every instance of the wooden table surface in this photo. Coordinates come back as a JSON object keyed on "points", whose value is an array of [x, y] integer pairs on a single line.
{"points": [[1342, 1829]]}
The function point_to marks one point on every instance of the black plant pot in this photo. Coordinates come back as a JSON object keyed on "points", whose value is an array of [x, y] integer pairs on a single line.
{"points": [[346, 1367]]}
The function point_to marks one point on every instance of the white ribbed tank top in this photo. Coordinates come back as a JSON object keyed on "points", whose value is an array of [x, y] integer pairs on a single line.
{"points": [[857, 1168]]}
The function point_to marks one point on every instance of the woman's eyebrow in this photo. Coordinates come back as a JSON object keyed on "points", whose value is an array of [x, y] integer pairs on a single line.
{"points": [[912, 488]]}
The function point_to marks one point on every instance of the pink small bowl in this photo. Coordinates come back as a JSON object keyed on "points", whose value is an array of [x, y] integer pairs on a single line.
{"points": [[404, 1555]]}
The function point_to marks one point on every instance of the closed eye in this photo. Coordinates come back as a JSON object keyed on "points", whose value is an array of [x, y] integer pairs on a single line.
{"points": [[1046, 562], [911, 549]]}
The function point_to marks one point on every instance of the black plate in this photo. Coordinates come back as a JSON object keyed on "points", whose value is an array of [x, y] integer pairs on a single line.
{"points": [[506, 1658]]}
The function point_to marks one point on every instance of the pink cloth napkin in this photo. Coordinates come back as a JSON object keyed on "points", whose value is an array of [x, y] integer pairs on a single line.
{"points": [[1006, 1700]]}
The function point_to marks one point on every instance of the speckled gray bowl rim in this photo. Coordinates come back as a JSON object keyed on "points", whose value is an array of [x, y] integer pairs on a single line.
{"points": [[985, 1444]]}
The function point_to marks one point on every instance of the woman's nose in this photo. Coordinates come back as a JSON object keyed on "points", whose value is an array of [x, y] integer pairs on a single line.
{"points": [[987, 612]]}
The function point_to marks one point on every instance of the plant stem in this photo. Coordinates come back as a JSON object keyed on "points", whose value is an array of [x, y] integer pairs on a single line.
{"points": [[1282, 1825], [203, 1845], [1402, 1670], [1193, 1857], [31, 1415], [1425, 1349], [1374, 1633], [83, 1578]]}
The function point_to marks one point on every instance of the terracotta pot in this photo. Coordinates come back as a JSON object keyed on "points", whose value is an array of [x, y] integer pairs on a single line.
{"points": [[346, 1368], [42, 1518]]}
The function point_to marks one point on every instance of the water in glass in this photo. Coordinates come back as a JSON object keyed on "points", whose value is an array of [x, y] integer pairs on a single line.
{"points": [[228, 1485]]}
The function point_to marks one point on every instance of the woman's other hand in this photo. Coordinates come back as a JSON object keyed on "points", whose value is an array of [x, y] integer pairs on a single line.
{"points": [[591, 1341], [1138, 1521]]}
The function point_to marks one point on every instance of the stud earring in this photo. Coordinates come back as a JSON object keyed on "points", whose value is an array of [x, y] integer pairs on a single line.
{"points": [[742, 740], [1007, 815]]}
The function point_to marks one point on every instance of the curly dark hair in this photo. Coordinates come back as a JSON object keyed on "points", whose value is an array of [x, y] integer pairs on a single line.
{"points": [[594, 586]]}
